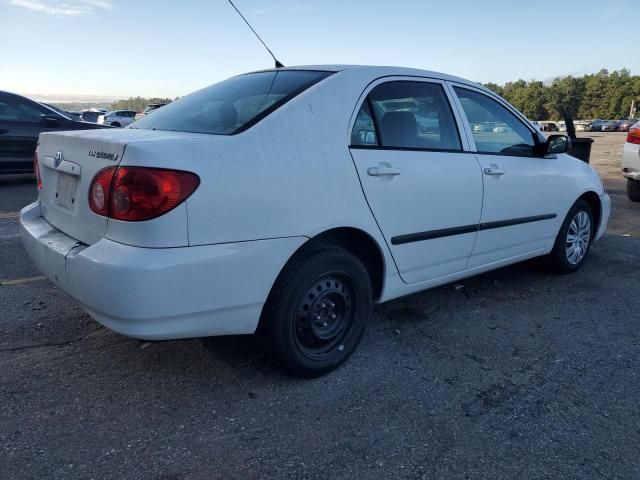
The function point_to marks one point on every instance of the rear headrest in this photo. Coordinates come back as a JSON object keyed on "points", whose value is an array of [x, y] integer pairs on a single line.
{"points": [[228, 115], [399, 129]]}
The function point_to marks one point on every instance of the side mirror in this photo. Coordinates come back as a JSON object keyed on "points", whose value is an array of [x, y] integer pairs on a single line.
{"points": [[557, 144], [51, 120]]}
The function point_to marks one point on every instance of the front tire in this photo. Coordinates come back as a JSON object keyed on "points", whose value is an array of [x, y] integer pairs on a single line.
{"points": [[318, 310], [633, 190], [574, 239]]}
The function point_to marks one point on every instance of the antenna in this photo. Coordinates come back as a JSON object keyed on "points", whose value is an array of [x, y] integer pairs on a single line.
{"points": [[278, 64]]}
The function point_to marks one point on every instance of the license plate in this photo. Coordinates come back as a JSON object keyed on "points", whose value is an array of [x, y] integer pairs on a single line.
{"points": [[66, 190]]}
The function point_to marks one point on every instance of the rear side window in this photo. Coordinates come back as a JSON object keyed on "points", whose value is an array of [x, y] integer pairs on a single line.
{"points": [[233, 105], [495, 129], [412, 115]]}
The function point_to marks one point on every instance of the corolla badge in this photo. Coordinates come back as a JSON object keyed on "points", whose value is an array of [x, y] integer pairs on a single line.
{"points": [[108, 156], [57, 160]]}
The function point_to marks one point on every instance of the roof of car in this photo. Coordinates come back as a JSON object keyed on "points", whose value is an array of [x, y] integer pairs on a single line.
{"points": [[379, 70]]}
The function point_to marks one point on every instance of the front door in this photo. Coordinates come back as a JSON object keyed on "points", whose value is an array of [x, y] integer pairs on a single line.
{"points": [[424, 191], [521, 189]]}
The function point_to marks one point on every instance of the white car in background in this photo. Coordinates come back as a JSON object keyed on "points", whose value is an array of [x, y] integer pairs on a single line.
{"points": [[631, 163], [295, 199], [117, 118]]}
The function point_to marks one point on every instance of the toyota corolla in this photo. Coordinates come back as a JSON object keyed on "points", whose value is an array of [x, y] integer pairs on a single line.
{"points": [[295, 199]]}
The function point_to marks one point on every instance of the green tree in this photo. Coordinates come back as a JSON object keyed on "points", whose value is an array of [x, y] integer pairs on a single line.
{"points": [[565, 97]]}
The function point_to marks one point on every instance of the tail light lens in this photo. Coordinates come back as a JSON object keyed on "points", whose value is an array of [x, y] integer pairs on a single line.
{"points": [[634, 135], [134, 194], [36, 169]]}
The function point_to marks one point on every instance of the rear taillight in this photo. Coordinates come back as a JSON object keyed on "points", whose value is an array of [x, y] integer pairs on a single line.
{"points": [[134, 194], [99, 191], [36, 169], [634, 135]]}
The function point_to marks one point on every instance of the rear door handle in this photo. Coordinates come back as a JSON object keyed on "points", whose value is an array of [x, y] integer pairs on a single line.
{"points": [[493, 171], [383, 171]]}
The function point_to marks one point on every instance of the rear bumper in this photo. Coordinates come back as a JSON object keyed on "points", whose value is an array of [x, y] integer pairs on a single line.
{"points": [[160, 293]]}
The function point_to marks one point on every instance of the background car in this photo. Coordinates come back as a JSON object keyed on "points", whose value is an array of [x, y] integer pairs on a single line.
{"points": [[631, 163], [21, 121], [625, 125], [611, 126], [595, 125], [549, 127], [150, 108], [92, 115], [117, 118]]}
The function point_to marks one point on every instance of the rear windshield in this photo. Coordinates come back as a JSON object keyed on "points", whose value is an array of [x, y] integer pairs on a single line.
{"points": [[233, 105]]}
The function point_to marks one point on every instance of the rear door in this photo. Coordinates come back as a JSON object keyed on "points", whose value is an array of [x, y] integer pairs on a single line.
{"points": [[522, 190], [423, 189]]}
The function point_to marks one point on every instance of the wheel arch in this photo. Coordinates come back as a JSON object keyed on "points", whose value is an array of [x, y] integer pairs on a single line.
{"points": [[356, 241], [593, 199]]}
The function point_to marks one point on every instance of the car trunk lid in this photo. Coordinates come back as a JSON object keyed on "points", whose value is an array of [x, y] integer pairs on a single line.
{"points": [[68, 163]]}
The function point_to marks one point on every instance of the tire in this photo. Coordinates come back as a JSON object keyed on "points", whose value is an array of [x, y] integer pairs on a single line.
{"points": [[116, 124], [633, 190], [579, 224], [318, 310]]}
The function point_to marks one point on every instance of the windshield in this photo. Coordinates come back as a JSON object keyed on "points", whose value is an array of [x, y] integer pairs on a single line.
{"points": [[233, 105]]}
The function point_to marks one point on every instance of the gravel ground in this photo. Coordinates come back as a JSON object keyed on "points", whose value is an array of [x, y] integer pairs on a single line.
{"points": [[519, 374]]}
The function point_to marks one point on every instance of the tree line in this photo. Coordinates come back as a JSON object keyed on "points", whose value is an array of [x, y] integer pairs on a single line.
{"points": [[601, 95]]}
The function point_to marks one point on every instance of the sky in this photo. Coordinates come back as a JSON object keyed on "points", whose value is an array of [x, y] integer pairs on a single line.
{"points": [[168, 48]]}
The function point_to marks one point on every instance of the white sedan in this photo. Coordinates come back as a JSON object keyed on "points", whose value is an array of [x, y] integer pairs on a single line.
{"points": [[117, 118], [295, 199]]}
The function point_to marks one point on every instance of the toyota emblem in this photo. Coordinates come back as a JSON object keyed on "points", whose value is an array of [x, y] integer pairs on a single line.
{"points": [[57, 160]]}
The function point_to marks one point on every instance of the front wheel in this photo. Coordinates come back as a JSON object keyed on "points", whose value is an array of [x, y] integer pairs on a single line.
{"points": [[318, 310], [574, 239], [633, 190]]}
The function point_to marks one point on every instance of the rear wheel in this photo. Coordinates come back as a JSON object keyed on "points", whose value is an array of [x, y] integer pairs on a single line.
{"points": [[116, 124], [633, 190], [574, 239], [318, 310]]}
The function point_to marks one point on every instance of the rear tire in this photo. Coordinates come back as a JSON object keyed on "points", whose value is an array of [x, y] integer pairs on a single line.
{"points": [[633, 190], [318, 310], [574, 239], [116, 124]]}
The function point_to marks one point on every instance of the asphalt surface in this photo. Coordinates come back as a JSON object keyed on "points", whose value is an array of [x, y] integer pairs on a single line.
{"points": [[512, 374]]}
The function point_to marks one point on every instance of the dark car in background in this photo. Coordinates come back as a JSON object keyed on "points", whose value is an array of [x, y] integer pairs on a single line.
{"points": [[150, 108], [595, 125], [611, 126], [625, 125], [21, 121], [91, 116]]}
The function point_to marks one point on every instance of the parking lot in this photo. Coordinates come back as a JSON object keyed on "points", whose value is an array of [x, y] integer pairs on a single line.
{"points": [[517, 373]]}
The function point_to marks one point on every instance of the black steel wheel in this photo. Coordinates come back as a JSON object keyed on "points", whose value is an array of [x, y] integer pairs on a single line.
{"points": [[318, 310]]}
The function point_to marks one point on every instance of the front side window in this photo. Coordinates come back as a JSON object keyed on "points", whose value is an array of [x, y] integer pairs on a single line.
{"points": [[412, 115], [495, 129], [233, 105]]}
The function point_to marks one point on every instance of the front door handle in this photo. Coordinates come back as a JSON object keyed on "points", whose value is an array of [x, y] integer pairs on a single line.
{"points": [[493, 171], [383, 171]]}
